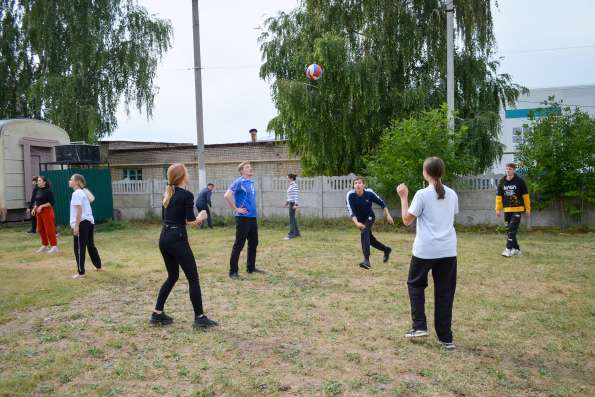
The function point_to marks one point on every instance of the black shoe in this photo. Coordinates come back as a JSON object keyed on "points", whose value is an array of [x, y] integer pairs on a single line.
{"points": [[365, 264], [203, 322], [160, 319], [256, 270], [387, 254], [234, 276]]}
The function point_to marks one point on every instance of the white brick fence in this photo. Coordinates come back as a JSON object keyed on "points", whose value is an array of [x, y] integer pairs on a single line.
{"points": [[321, 197]]}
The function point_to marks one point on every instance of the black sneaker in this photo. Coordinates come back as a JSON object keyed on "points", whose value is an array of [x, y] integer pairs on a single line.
{"points": [[256, 270], [387, 254], [204, 322], [234, 276], [365, 264], [160, 319]]}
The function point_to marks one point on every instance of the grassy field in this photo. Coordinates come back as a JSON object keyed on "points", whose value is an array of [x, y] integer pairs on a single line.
{"points": [[314, 324]]}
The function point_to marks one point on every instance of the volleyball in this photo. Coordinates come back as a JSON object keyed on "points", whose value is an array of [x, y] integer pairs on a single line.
{"points": [[313, 72]]}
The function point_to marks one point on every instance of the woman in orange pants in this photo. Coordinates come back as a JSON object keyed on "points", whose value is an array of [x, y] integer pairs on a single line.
{"points": [[43, 210]]}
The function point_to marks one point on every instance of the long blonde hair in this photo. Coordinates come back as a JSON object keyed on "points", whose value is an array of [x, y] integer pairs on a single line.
{"points": [[175, 176], [82, 183]]}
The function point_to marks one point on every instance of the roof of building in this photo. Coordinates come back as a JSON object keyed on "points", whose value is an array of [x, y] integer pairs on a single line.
{"points": [[119, 145], [8, 122]]}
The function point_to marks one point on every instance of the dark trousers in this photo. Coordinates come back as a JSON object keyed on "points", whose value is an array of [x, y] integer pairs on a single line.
{"points": [[368, 239], [85, 242], [246, 229], [512, 220], [176, 252], [33, 224], [209, 219], [444, 273], [294, 231]]}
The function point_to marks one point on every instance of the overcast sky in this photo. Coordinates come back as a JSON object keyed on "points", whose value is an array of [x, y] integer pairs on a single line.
{"points": [[545, 43]]}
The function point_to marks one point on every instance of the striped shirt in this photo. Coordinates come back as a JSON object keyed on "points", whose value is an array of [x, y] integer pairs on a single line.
{"points": [[293, 192]]}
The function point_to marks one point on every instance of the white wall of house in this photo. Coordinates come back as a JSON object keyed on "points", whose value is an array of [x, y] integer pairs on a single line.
{"points": [[512, 118]]}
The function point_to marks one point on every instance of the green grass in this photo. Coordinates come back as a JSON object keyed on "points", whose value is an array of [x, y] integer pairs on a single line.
{"points": [[314, 324]]}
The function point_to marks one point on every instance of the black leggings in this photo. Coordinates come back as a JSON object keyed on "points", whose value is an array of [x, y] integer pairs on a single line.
{"points": [[176, 252], [85, 242], [368, 239]]}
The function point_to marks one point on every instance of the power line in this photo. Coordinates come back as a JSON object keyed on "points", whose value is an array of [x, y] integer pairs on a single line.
{"points": [[548, 49]]}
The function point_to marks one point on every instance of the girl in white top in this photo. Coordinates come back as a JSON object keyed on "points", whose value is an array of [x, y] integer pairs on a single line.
{"points": [[82, 224], [435, 248]]}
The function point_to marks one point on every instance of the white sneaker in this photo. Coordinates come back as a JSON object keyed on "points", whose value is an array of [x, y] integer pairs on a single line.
{"points": [[416, 333], [43, 248], [516, 252], [507, 253], [53, 250]]}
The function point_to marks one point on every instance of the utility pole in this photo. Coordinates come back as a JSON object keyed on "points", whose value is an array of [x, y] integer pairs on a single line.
{"points": [[200, 134], [450, 64]]}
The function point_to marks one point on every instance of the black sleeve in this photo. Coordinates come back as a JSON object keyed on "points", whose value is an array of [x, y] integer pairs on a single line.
{"points": [[189, 207], [32, 201], [523, 186], [51, 198]]}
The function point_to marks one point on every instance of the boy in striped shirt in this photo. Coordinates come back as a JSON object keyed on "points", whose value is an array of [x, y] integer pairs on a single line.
{"points": [[293, 196]]}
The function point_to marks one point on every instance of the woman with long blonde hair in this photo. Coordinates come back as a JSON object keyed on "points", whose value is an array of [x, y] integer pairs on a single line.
{"points": [[82, 224], [177, 212]]}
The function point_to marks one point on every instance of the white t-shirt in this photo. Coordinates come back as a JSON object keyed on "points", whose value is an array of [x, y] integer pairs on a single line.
{"points": [[435, 235], [79, 197]]}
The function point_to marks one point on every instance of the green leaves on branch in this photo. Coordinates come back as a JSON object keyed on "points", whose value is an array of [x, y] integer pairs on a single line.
{"points": [[557, 154], [382, 60], [407, 143], [72, 61]]}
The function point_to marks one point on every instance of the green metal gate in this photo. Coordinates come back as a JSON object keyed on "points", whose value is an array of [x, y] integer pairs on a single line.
{"points": [[99, 181]]}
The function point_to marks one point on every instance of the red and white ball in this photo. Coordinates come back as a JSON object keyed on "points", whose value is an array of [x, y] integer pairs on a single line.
{"points": [[314, 72]]}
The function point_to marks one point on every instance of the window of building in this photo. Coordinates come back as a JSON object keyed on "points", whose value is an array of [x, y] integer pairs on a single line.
{"points": [[165, 167], [133, 174]]}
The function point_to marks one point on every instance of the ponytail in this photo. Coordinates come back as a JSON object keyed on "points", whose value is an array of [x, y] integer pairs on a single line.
{"points": [[90, 195], [434, 167], [439, 189], [169, 192], [175, 176]]}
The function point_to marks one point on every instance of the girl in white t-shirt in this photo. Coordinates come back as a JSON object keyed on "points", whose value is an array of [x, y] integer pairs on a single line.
{"points": [[435, 248], [82, 224]]}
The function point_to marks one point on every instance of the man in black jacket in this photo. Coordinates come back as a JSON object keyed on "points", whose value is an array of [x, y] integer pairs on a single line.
{"points": [[31, 203], [203, 202]]}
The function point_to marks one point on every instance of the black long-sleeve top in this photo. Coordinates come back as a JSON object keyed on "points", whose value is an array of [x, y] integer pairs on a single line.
{"points": [[44, 195], [180, 208]]}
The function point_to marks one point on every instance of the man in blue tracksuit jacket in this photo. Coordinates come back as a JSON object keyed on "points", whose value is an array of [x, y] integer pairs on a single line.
{"points": [[359, 204]]}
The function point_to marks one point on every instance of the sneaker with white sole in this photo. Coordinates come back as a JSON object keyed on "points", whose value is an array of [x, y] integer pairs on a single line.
{"points": [[53, 250], [43, 248], [507, 253], [416, 333], [516, 252], [447, 345]]}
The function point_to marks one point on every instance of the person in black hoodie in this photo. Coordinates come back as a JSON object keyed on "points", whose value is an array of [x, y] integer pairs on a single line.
{"points": [[43, 210], [31, 204]]}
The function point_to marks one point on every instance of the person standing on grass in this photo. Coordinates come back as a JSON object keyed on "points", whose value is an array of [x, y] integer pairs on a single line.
{"points": [[293, 197], [203, 202], [359, 204], [176, 213], [513, 197], [82, 224], [241, 198], [435, 248], [43, 210], [33, 229]]}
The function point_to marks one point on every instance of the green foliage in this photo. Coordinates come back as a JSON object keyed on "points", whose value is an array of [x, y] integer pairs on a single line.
{"points": [[558, 157], [406, 144], [72, 61], [382, 60]]}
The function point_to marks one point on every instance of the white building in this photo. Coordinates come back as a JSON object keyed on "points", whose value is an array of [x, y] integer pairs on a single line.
{"points": [[582, 96]]}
